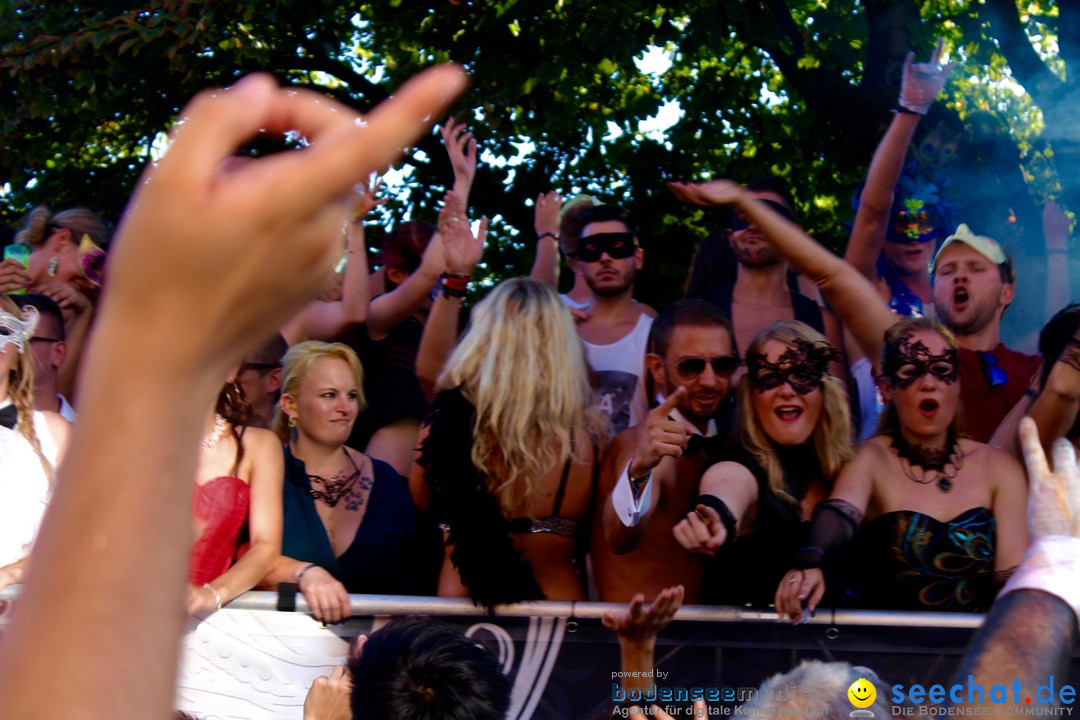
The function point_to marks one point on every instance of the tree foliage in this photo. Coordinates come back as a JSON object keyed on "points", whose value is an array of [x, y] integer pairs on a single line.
{"points": [[797, 88]]}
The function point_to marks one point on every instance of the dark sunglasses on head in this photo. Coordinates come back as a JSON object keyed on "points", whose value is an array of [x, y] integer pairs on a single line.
{"points": [[722, 365], [741, 222], [618, 246]]}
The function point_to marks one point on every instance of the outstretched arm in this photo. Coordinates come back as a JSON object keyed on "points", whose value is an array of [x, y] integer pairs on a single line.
{"points": [[849, 293], [919, 85], [637, 629], [326, 320], [546, 223], [197, 244], [462, 251]]}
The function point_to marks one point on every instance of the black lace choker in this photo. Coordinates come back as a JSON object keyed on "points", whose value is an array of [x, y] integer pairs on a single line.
{"points": [[938, 466]]}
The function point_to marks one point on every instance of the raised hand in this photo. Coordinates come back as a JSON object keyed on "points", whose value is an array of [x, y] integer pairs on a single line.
{"points": [[366, 198], [1053, 496], [461, 147], [269, 228], [663, 436], [461, 249], [640, 623], [708, 194], [546, 218], [921, 82]]}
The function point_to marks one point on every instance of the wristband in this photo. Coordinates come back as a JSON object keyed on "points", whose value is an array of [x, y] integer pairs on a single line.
{"points": [[455, 286], [906, 110], [810, 556], [217, 598], [302, 571], [726, 518], [551, 235]]}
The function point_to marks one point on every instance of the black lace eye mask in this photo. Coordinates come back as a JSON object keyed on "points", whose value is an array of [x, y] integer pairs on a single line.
{"points": [[803, 366], [908, 361]]}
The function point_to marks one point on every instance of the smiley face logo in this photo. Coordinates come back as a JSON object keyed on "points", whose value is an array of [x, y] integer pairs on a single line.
{"points": [[862, 693]]}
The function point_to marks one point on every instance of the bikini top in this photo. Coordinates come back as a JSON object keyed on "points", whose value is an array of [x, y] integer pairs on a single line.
{"points": [[553, 523]]}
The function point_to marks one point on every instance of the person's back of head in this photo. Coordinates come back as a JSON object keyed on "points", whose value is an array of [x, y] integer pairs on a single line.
{"points": [[417, 669], [818, 689]]}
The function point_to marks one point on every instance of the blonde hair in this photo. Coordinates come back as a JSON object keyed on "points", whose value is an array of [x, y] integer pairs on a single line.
{"points": [[889, 421], [21, 392], [78, 220], [832, 434], [297, 363], [522, 366]]}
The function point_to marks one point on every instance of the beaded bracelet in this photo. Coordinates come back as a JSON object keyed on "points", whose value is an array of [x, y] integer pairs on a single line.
{"points": [[455, 286]]}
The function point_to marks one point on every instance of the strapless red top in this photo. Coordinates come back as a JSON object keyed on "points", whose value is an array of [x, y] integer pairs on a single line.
{"points": [[220, 511]]}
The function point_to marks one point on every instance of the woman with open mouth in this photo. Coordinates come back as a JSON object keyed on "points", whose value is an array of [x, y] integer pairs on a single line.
{"points": [[794, 437], [944, 515]]}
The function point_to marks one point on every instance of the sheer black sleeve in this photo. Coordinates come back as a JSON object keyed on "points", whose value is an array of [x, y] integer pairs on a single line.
{"points": [[835, 522]]}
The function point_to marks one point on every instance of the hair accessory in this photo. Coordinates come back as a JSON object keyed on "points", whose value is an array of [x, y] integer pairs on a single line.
{"points": [[803, 366], [18, 331], [907, 361], [217, 598], [91, 260]]}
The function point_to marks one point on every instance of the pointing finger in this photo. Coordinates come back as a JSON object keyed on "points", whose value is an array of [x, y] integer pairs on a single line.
{"points": [[672, 401]]}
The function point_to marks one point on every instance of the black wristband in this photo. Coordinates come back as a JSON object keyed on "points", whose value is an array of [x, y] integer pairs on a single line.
{"points": [[721, 508], [549, 234]]}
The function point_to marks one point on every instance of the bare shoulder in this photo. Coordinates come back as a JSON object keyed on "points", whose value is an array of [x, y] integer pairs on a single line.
{"points": [[876, 449], [260, 440], [995, 462]]}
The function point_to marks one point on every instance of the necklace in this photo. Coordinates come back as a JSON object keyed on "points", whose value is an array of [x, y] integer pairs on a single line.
{"points": [[337, 487], [936, 462], [215, 433]]}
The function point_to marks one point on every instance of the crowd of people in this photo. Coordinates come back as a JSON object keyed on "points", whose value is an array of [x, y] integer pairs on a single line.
{"points": [[817, 430]]}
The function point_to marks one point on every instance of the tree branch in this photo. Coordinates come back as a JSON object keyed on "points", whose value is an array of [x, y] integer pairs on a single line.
{"points": [[1026, 65]]}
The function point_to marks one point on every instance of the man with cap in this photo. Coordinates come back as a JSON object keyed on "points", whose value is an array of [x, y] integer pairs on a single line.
{"points": [[974, 282]]}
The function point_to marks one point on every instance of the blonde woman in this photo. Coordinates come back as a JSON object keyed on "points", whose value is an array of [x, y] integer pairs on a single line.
{"points": [[944, 514], [30, 451], [349, 521], [794, 437], [510, 453]]}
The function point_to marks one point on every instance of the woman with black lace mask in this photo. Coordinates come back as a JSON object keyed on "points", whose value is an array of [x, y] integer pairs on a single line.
{"points": [[944, 515], [794, 437]]}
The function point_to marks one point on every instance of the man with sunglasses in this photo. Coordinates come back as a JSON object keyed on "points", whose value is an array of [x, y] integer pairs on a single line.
{"points": [[49, 347], [616, 331], [651, 471]]}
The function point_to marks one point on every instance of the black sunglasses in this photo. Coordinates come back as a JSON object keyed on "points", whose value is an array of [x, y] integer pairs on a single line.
{"points": [[618, 246], [723, 365]]}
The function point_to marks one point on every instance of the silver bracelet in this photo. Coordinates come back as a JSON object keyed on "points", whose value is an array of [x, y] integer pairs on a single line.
{"points": [[217, 598]]}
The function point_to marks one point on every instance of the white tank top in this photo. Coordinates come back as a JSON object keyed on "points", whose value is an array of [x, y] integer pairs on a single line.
{"points": [[620, 376]]}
